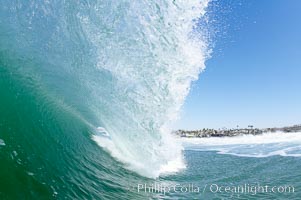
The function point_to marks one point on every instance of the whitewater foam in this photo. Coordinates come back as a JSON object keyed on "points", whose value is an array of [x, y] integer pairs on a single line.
{"points": [[125, 66], [265, 145], [151, 53], [2, 143]]}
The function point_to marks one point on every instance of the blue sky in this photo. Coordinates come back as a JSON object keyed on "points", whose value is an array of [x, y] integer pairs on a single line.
{"points": [[254, 75]]}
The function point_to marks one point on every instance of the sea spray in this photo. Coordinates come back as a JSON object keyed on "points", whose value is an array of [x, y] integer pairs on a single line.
{"points": [[124, 66], [152, 54]]}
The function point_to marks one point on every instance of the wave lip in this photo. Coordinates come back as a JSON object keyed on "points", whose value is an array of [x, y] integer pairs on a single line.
{"points": [[125, 66], [151, 54]]}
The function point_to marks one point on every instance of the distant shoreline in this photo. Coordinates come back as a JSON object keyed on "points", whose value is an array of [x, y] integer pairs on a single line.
{"points": [[205, 132]]}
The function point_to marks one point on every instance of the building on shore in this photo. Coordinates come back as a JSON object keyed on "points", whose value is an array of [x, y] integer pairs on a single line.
{"points": [[205, 132]]}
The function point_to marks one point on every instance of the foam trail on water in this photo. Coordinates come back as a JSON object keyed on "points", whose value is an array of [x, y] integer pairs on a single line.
{"points": [[265, 145]]}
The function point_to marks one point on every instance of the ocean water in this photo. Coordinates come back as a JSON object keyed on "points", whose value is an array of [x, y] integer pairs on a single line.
{"points": [[89, 91]]}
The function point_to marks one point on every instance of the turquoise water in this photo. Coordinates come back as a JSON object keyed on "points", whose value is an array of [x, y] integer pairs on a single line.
{"points": [[89, 91], [207, 169], [123, 69]]}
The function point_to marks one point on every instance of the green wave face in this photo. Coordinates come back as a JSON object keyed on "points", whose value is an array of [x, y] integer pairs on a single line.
{"points": [[88, 93], [47, 152]]}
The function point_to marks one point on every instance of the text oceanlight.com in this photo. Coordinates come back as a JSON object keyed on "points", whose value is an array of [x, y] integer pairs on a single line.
{"points": [[213, 188]]}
